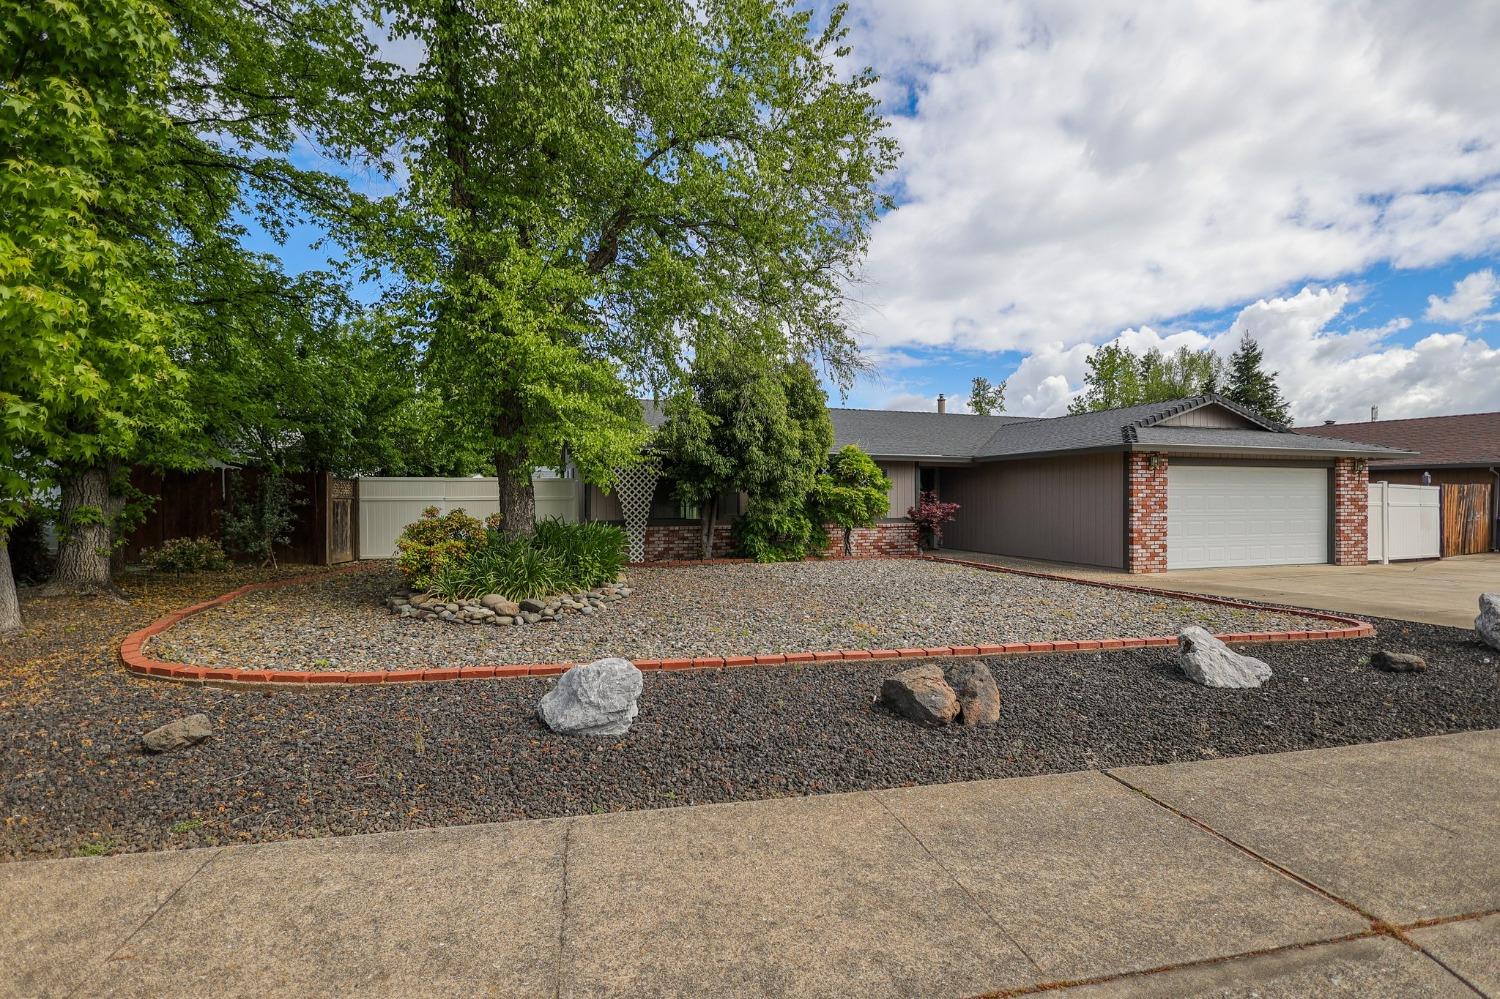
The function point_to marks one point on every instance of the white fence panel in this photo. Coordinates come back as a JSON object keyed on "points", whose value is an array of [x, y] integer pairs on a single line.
{"points": [[388, 503], [1405, 522]]}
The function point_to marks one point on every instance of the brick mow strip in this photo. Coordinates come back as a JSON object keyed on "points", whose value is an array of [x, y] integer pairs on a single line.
{"points": [[136, 661]]}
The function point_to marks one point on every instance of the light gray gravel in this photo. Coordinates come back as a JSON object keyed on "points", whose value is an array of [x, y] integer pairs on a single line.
{"points": [[339, 623]]}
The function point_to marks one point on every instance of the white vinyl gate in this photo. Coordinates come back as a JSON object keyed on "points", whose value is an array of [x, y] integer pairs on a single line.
{"points": [[1404, 522], [388, 503]]}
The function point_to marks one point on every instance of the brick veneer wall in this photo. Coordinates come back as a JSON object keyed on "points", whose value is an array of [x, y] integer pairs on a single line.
{"points": [[1146, 512], [1351, 511], [684, 542]]}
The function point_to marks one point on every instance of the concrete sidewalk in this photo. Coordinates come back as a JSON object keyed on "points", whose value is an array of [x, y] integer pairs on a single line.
{"points": [[1440, 591], [1355, 871]]}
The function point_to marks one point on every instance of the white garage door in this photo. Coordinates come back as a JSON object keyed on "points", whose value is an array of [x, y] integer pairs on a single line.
{"points": [[1241, 515]]}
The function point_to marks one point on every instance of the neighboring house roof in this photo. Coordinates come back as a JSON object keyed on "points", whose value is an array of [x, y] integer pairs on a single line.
{"points": [[1469, 440], [895, 434]]}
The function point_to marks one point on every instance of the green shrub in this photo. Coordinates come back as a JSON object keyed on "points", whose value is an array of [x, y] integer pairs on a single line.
{"points": [[432, 543], [181, 555], [779, 537], [558, 558], [260, 516]]}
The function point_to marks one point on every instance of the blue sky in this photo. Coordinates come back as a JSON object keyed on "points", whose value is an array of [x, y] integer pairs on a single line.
{"points": [[1317, 172]]}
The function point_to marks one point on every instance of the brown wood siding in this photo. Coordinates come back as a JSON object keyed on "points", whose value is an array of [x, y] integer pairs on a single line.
{"points": [[1061, 509], [1208, 416], [903, 492]]}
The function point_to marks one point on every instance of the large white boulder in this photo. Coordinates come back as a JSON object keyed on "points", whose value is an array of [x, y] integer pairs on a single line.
{"points": [[597, 699], [1487, 624], [1208, 661]]}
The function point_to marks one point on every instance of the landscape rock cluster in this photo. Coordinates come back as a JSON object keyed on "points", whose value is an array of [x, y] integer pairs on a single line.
{"points": [[495, 609], [925, 695]]}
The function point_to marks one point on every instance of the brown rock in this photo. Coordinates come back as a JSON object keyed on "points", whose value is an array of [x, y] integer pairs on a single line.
{"points": [[1398, 662], [978, 694], [920, 694]]}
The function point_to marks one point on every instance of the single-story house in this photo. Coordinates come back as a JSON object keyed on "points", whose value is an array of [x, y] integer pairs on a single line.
{"points": [[1461, 454], [1188, 483]]}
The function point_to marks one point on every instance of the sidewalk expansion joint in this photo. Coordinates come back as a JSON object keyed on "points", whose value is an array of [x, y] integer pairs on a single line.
{"points": [[1069, 983], [958, 882], [115, 954], [562, 920], [1378, 925]]}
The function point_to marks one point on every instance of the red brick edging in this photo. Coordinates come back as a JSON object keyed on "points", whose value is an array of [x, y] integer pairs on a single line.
{"points": [[139, 663]]}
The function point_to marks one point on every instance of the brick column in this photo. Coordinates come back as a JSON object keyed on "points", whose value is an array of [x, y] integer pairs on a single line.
{"points": [[1351, 511], [1146, 506]]}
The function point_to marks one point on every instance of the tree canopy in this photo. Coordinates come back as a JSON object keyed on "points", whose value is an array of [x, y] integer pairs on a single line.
{"points": [[986, 399], [1118, 377], [600, 190], [854, 492]]}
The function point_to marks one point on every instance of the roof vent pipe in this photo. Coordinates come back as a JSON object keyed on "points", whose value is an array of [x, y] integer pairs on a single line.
{"points": [[942, 403], [1374, 413], [1330, 423]]}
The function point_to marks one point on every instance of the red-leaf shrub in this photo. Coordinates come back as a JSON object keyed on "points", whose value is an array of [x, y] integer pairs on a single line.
{"points": [[930, 514]]}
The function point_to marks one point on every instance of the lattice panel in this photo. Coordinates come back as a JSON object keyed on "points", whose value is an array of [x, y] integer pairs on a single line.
{"points": [[635, 486]]}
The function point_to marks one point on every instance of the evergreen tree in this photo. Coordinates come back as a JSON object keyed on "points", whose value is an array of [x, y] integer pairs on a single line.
{"points": [[1252, 386]]}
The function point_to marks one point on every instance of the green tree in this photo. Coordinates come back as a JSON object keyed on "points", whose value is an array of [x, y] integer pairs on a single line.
{"points": [[1112, 381], [1180, 374], [600, 190], [1118, 377], [854, 492], [1252, 386], [138, 136], [777, 525], [986, 399]]}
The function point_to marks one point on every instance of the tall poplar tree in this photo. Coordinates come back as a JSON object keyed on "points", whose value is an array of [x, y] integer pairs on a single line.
{"points": [[602, 189]]}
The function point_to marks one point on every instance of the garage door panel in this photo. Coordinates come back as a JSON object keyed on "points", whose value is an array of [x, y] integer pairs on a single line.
{"points": [[1226, 515]]}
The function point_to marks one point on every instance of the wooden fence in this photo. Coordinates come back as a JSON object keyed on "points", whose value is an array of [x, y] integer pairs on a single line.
{"points": [[1466, 519]]}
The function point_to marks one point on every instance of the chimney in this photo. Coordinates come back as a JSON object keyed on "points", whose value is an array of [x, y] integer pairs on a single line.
{"points": [[942, 403], [1374, 413]]}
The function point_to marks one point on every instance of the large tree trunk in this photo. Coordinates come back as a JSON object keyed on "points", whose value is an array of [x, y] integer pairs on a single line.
{"points": [[86, 532], [517, 497], [710, 520], [10, 605]]}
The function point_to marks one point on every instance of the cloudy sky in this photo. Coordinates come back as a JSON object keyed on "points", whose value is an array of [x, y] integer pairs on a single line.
{"points": [[1325, 175]]}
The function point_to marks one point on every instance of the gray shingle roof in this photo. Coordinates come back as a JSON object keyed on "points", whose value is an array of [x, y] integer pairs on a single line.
{"points": [[895, 434]]}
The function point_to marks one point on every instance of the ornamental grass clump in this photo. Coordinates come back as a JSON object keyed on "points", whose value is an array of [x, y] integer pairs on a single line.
{"points": [[558, 558]]}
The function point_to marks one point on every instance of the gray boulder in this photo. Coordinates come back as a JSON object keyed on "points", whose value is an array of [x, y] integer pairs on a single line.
{"points": [[978, 695], [1208, 661], [1487, 624], [597, 699], [921, 694], [187, 731], [1398, 662]]}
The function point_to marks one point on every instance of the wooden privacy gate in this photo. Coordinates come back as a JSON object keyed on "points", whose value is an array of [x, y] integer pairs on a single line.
{"points": [[1466, 519]]}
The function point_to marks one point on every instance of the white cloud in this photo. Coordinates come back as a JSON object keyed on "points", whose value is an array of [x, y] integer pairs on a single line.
{"points": [[1077, 166], [1471, 296], [1325, 373]]}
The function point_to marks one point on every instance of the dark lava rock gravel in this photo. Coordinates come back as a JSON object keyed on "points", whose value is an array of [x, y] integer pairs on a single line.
{"points": [[300, 763], [340, 623]]}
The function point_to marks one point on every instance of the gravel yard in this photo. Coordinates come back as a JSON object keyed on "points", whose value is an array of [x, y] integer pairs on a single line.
{"points": [[297, 763], [340, 624]]}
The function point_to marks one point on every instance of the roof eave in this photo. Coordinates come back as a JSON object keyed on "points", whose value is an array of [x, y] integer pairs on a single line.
{"points": [[1298, 452]]}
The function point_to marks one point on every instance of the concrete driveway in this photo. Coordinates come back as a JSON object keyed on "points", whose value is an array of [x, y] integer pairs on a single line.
{"points": [[1443, 591]]}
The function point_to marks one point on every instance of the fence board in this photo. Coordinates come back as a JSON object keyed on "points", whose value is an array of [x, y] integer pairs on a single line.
{"points": [[1466, 519]]}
